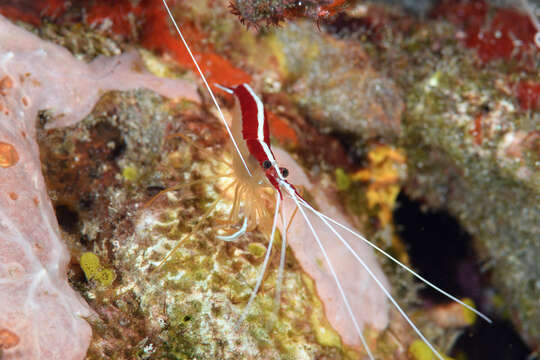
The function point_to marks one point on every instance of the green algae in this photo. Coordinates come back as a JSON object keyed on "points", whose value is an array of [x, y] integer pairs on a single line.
{"points": [[130, 173], [343, 181], [93, 270], [256, 249]]}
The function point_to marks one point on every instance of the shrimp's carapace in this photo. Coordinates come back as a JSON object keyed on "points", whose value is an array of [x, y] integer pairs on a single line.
{"points": [[251, 132]]}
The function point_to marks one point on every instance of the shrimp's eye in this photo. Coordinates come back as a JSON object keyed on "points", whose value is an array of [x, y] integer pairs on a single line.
{"points": [[266, 164], [284, 172]]}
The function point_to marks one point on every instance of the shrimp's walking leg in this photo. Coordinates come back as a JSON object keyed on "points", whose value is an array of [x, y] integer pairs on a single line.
{"points": [[334, 275], [377, 281], [418, 276], [279, 280], [265, 262], [236, 235]]}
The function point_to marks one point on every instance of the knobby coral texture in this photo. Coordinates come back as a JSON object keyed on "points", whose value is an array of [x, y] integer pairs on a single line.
{"points": [[39, 308], [272, 12]]}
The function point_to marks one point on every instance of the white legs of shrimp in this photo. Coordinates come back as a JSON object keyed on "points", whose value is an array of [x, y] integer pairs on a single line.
{"points": [[265, 262], [331, 268], [226, 89], [236, 235], [279, 280]]}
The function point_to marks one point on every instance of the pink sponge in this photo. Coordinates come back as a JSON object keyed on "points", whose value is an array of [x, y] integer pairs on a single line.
{"points": [[42, 315], [367, 301]]}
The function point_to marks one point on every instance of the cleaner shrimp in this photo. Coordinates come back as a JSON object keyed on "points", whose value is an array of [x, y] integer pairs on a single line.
{"points": [[257, 174]]}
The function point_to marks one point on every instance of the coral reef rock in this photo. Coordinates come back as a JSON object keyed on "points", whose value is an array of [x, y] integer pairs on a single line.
{"points": [[38, 306]]}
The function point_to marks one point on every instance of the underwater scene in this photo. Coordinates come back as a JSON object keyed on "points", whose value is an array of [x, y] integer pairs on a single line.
{"points": [[270, 179]]}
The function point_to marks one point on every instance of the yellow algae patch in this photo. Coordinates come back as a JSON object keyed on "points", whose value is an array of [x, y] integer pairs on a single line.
{"points": [[420, 351], [384, 172], [93, 270], [155, 65], [469, 316], [324, 333], [130, 173], [256, 249]]}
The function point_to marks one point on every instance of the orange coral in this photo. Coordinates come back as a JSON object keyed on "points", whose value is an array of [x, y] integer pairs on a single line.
{"points": [[8, 339], [8, 155], [159, 36], [121, 14], [280, 129]]}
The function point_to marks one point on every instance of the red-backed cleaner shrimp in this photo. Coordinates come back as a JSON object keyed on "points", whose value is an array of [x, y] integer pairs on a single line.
{"points": [[257, 170]]}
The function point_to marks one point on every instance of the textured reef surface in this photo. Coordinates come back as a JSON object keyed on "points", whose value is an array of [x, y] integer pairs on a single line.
{"points": [[33, 282], [367, 101]]}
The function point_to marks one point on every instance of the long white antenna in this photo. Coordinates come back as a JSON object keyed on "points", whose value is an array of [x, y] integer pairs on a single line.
{"points": [[378, 282], [207, 86], [425, 281], [334, 275]]}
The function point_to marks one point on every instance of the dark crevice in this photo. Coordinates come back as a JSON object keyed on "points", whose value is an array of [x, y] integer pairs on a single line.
{"points": [[496, 341], [441, 251], [68, 219]]}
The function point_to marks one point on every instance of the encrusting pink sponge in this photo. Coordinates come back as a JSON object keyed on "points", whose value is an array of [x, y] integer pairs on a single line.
{"points": [[41, 317]]}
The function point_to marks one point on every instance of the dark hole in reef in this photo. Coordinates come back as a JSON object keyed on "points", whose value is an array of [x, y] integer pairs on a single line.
{"points": [[84, 240], [496, 341], [86, 201], [154, 190], [187, 318], [119, 149], [68, 219], [440, 250], [104, 134]]}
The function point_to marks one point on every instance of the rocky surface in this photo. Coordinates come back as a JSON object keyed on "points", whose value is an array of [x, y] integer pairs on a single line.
{"points": [[39, 307], [444, 109]]}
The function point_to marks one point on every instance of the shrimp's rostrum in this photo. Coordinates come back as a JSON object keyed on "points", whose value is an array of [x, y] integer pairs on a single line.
{"points": [[255, 176]]}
